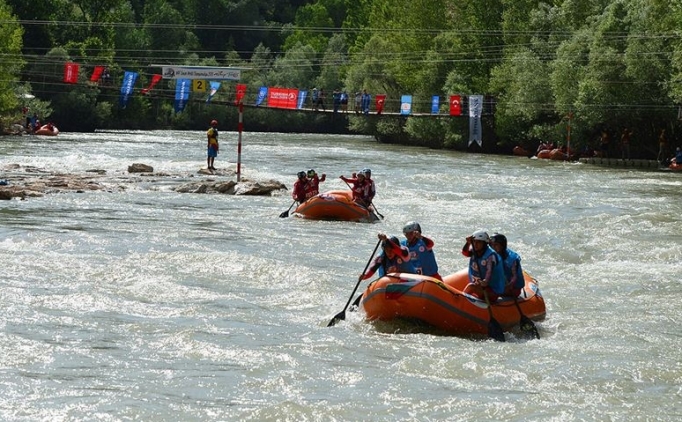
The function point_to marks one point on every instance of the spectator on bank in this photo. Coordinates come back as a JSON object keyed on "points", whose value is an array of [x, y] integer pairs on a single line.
{"points": [[604, 141], [625, 143], [662, 146]]}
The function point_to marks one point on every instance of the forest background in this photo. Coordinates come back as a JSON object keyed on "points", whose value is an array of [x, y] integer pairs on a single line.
{"points": [[592, 64]]}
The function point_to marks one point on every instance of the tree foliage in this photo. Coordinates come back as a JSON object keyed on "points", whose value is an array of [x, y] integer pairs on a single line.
{"points": [[604, 63]]}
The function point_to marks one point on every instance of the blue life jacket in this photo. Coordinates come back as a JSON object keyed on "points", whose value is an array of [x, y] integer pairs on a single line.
{"points": [[422, 258], [396, 265], [509, 261], [477, 267]]}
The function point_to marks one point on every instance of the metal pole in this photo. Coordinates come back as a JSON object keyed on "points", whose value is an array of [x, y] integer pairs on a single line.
{"points": [[240, 127]]}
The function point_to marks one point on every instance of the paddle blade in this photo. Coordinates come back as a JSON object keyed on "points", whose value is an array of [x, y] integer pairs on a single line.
{"points": [[495, 330], [356, 303], [338, 317], [285, 214], [529, 327]]}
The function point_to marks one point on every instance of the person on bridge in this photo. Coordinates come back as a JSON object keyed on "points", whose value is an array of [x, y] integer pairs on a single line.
{"points": [[366, 100], [212, 148], [358, 102]]}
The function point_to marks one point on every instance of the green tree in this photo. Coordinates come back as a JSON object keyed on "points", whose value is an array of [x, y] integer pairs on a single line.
{"points": [[10, 65], [295, 68], [334, 64], [313, 26]]}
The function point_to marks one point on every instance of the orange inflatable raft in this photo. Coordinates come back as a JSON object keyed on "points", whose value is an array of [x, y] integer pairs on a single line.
{"points": [[520, 151], [444, 305], [335, 205], [675, 166], [545, 153], [45, 130]]}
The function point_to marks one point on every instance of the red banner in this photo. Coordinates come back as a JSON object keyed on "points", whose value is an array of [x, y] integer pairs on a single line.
{"points": [[96, 73], [282, 97], [455, 105], [71, 72], [155, 80], [241, 91], [380, 101]]}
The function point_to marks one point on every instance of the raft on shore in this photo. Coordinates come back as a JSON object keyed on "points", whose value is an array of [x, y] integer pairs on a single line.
{"points": [[46, 130]]}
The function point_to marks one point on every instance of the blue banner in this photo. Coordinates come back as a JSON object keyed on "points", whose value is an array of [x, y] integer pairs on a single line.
{"points": [[435, 104], [262, 94], [214, 87], [406, 105], [301, 98], [129, 79], [182, 88]]}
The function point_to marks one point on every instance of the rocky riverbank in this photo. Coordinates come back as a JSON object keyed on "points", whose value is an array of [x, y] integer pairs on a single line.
{"points": [[22, 182]]}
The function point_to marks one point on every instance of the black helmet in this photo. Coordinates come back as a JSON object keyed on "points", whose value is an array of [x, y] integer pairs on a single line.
{"points": [[301, 174], [499, 238], [311, 173], [368, 172], [391, 239]]}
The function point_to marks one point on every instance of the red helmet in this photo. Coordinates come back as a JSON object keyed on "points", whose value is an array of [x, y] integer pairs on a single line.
{"points": [[214, 122]]}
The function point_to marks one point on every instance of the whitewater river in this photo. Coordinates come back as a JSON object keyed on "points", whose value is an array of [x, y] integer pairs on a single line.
{"points": [[151, 305]]}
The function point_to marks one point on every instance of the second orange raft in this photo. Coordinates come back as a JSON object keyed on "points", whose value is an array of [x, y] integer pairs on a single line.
{"points": [[335, 205], [444, 305]]}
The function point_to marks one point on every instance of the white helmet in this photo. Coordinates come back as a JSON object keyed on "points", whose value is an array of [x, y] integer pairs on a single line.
{"points": [[412, 226], [481, 235]]}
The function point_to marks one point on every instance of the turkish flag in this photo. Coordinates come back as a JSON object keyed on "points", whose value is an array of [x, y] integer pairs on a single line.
{"points": [[241, 91], [71, 72], [380, 101], [96, 73], [155, 80], [455, 105]]}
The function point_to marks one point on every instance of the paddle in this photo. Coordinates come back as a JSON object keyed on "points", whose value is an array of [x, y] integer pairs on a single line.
{"points": [[526, 324], [285, 214], [374, 207], [342, 315], [494, 329], [356, 303]]}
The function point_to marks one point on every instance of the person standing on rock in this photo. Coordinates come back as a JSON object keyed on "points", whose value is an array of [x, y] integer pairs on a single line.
{"points": [[212, 135]]}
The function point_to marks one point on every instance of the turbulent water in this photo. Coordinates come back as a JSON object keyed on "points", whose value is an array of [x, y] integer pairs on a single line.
{"points": [[152, 305]]}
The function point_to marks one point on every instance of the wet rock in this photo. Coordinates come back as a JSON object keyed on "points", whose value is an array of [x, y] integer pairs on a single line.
{"points": [[140, 168], [26, 181], [258, 188], [232, 188]]}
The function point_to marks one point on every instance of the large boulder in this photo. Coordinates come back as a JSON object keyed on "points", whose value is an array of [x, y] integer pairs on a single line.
{"points": [[246, 187], [140, 168]]}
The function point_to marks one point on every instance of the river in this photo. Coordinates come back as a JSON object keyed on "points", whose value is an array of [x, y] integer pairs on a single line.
{"points": [[151, 305]]}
